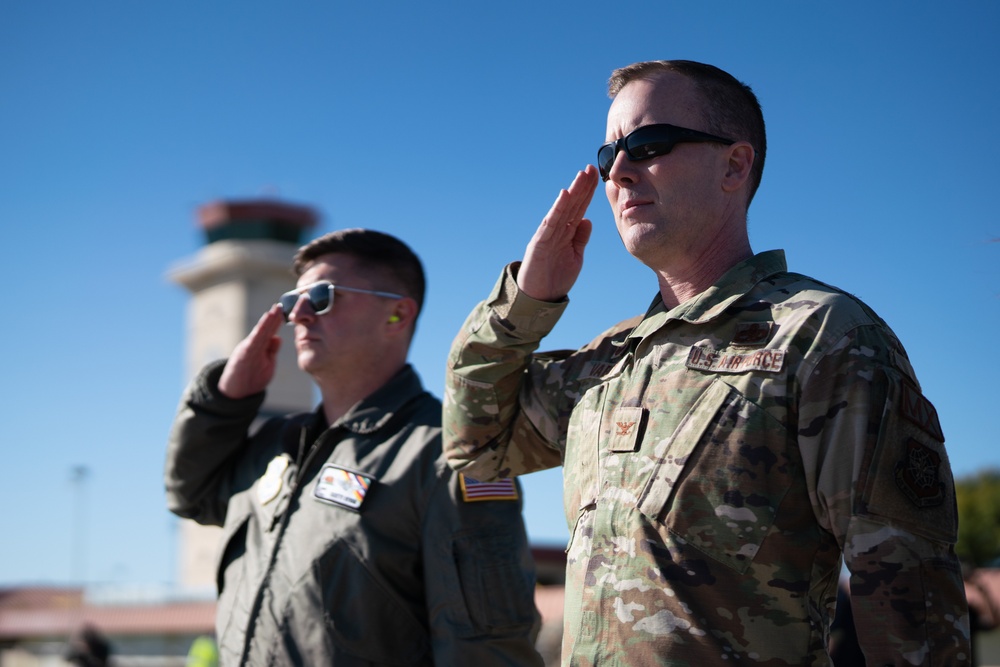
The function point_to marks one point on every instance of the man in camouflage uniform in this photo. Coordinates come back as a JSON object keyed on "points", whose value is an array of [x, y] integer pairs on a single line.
{"points": [[349, 542], [727, 451]]}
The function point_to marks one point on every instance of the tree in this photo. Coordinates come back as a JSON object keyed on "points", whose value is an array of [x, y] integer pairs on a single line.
{"points": [[979, 517]]}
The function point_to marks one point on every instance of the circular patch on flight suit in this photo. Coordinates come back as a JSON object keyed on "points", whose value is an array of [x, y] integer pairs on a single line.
{"points": [[269, 485]]}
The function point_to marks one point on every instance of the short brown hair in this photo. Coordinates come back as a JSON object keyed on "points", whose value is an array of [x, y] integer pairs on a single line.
{"points": [[730, 107], [386, 255]]}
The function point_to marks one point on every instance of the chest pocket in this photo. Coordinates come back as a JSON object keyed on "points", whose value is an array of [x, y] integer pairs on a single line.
{"points": [[721, 477]]}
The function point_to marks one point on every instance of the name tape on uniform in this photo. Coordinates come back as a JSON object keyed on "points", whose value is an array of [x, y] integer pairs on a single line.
{"points": [[704, 359]]}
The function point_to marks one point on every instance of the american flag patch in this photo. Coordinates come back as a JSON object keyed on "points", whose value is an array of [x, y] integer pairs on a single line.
{"points": [[473, 490]]}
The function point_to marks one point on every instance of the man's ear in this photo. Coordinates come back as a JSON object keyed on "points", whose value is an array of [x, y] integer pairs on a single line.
{"points": [[741, 158], [404, 312]]}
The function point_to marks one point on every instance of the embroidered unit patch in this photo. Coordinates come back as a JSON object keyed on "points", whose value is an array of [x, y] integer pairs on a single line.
{"points": [[474, 490], [752, 334], [917, 475], [269, 485], [342, 487]]}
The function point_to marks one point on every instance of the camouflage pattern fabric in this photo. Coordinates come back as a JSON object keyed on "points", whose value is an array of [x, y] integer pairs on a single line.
{"points": [[720, 459]]}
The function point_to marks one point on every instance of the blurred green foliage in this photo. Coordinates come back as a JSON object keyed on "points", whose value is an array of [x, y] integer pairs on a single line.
{"points": [[979, 517]]}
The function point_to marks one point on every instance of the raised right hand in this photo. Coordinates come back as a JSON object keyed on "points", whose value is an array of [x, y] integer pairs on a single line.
{"points": [[251, 366], [554, 256]]}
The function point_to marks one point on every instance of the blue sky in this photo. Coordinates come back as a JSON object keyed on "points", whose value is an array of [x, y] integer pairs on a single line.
{"points": [[452, 125]]}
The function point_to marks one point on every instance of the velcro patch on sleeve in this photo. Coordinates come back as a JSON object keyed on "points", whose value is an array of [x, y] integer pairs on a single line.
{"points": [[918, 475], [921, 412], [475, 491], [909, 481]]}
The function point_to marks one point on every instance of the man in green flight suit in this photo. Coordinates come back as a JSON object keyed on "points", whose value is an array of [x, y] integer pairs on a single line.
{"points": [[348, 540]]}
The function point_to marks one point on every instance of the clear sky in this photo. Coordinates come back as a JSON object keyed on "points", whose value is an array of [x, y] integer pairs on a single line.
{"points": [[452, 125]]}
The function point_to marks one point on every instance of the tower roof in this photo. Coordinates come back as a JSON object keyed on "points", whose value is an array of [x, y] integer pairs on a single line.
{"points": [[256, 219]]}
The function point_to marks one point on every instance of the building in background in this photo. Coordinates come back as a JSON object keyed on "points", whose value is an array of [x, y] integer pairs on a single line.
{"points": [[239, 273], [37, 625], [236, 276]]}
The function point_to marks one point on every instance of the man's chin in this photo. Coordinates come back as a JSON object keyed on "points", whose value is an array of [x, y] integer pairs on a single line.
{"points": [[307, 361], [636, 239]]}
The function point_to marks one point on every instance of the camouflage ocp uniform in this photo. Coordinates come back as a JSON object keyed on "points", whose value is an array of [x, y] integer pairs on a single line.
{"points": [[719, 459]]}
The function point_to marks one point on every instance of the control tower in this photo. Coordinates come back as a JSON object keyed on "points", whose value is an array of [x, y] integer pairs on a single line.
{"points": [[243, 267]]}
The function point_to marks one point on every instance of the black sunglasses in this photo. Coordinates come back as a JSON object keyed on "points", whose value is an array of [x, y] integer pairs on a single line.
{"points": [[320, 296], [650, 141]]}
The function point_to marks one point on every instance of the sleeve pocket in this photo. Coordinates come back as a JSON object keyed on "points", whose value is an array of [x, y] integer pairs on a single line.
{"points": [[497, 592], [910, 481]]}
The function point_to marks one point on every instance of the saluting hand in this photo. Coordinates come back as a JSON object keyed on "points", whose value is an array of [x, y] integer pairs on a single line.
{"points": [[554, 256], [251, 366]]}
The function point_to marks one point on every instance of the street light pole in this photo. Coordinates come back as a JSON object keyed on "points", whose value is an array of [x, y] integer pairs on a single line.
{"points": [[78, 477]]}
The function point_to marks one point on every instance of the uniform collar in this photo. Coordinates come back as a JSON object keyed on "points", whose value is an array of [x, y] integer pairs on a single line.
{"points": [[375, 411], [704, 307]]}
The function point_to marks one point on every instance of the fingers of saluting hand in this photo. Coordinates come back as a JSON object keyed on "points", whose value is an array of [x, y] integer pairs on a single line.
{"points": [[554, 256], [267, 327], [582, 191], [570, 206], [251, 366]]}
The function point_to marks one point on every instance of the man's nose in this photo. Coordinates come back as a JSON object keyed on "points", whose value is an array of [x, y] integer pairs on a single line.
{"points": [[302, 311], [622, 169]]}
